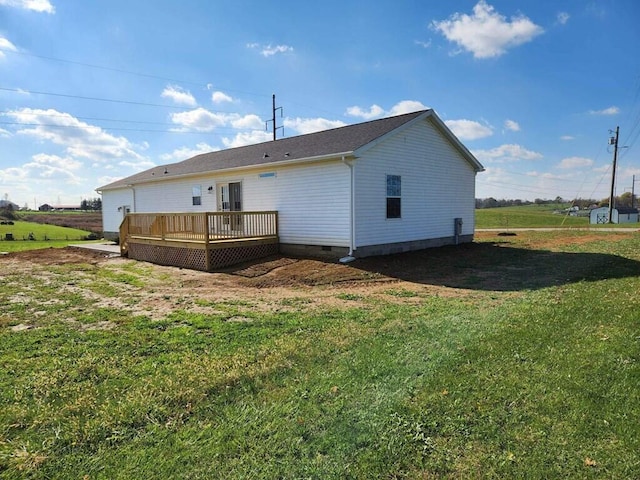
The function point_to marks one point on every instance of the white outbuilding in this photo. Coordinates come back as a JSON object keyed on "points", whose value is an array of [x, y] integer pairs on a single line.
{"points": [[600, 215]]}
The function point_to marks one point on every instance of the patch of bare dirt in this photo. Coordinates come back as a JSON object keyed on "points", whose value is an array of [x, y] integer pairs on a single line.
{"points": [[284, 284], [54, 256]]}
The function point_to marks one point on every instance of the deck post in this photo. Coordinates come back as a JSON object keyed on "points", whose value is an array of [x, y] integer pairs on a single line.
{"points": [[276, 225], [162, 227], [207, 257]]}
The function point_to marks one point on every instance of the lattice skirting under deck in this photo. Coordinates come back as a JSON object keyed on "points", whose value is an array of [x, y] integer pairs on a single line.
{"points": [[195, 259], [224, 257]]}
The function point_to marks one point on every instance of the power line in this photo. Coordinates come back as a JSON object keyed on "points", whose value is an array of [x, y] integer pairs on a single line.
{"points": [[83, 127], [54, 115], [98, 99], [128, 72]]}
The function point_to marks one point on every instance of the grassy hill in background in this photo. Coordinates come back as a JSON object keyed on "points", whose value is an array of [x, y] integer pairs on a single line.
{"points": [[30, 236]]}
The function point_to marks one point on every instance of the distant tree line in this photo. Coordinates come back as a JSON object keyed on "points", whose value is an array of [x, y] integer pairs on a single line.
{"points": [[624, 200], [7, 212], [94, 204]]}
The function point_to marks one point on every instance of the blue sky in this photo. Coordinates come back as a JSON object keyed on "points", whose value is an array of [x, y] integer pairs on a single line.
{"points": [[92, 91]]}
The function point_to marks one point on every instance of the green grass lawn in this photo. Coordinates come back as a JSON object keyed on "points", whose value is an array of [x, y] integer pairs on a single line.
{"points": [[527, 216], [539, 378], [44, 236]]}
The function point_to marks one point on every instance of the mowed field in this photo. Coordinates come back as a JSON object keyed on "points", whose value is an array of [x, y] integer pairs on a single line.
{"points": [[512, 357], [530, 216]]}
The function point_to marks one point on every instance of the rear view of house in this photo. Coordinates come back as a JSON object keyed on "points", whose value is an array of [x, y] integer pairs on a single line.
{"points": [[385, 186]]}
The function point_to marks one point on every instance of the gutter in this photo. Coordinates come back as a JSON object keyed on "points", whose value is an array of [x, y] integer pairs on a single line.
{"points": [[352, 214]]}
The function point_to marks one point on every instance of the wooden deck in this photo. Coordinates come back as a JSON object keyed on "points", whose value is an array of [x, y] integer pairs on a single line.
{"points": [[200, 241]]}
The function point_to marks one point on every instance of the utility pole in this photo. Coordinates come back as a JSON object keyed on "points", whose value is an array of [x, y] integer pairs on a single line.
{"points": [[273, 119], [613, 174], [633, 187]]}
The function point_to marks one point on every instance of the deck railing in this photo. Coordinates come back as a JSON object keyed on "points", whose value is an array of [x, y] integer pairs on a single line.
{"points": [[206, 227]]}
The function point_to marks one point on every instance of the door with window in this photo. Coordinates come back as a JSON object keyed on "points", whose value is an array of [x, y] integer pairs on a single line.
{"points": [[230, 200]]}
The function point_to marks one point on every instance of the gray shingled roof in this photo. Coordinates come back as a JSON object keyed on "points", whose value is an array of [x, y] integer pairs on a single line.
{"points": [[320, 144]]}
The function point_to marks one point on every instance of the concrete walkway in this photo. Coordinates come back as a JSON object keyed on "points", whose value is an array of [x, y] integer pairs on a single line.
{"points": [[110, 248]]}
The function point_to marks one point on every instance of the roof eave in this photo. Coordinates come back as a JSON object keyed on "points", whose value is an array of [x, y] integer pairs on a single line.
{"points": [[469, 157], [317, 158]]}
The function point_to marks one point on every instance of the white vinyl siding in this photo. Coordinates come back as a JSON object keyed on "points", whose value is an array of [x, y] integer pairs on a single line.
{"points": [[438, 185], [312, 200], [112, 203]]}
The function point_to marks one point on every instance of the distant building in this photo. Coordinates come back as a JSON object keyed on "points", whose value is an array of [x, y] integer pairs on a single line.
{"points": [[45, 208], [66, 208], [618, 215], [9, 205]]}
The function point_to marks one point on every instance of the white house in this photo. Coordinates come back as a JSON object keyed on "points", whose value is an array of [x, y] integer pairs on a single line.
{"points": [[390, 185], [618, 215]]}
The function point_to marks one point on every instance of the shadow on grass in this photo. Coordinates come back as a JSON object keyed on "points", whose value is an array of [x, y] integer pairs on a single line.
{"points": [[498, 266]]}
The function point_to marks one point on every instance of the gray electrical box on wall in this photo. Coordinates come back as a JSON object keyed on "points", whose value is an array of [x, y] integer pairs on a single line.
{"points": [[457, 229]]}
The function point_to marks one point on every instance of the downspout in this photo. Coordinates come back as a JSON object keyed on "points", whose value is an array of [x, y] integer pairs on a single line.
{"points": [[133, 189], [352, 215]]}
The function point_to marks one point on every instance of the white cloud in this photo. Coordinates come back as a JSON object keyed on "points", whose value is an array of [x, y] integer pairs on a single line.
{"points": [[563, 18], [219, 97], [553, 176], [41, 6], [512, 125], [406, 106], [575, 162], [603, 168], [375, 111], [567, 137], [468, 129], [613, 110], [247, 138], [137, 166], [65, 163], [311, 125], [107, 179], [486, 33], [4, 133], [79, 138], [246, 122], [6, 45], [45, 167], [203, 120], [199, 119], [179, 95], [270, 50], [183, 153], [423, 44], [506, 153]]}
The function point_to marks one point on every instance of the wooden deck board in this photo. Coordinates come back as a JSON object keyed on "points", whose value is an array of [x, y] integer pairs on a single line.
{"points": [[214, 243]]}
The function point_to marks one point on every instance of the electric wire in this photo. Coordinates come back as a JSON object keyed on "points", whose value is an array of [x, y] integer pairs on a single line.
{"points": [[129, 72], [100, 99], [84, 127]]}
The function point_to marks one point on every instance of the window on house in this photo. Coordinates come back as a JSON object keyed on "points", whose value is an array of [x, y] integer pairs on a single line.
{"points": [[394, 196], [196, 195]]}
